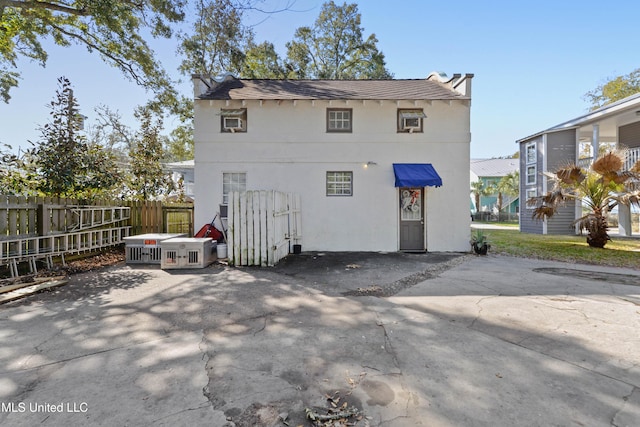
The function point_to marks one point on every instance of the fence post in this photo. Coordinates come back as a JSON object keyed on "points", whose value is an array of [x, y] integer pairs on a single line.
{"points": [[242, 228], [257, 232], [263, 229], [270, 214], [250, 231]]}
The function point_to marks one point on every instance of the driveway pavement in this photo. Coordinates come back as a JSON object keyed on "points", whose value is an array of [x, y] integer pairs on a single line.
{"points": [[384, 339]]}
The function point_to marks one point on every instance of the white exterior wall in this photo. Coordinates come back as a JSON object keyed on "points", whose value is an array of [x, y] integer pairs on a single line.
{"points": [[286, 148]]}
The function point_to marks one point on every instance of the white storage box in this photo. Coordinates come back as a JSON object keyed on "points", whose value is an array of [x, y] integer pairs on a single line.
{"points": [[145, 248], [187, 252]]}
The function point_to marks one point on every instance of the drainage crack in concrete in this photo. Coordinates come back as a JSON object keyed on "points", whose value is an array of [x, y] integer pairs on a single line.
{"points": [[480, 309], [574, 364], [625, 402], [264, 325], [197, 408], [392, 421], [567, 310], [388, 347], [81, 356], [399, 374]]}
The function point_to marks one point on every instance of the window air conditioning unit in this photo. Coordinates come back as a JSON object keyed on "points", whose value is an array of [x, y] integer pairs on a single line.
{"points": [[411, 123], [232, 123]]}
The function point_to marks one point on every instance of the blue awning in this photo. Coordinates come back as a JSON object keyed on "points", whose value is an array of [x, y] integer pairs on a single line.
{"points": [[416, 175]]}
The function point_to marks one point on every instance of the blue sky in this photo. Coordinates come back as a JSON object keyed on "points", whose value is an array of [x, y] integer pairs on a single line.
{"points": [[533, 61]]}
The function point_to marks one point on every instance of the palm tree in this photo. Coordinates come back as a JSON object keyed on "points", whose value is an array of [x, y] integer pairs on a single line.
{"points": [[600, 188], [509, 185], [479, 189]]}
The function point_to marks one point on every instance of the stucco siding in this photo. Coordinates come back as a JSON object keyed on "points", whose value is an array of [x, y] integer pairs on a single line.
{"points": [[286, 148]]}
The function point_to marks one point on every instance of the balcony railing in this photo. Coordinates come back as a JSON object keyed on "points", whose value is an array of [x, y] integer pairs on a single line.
{"points": [[632, 156]]}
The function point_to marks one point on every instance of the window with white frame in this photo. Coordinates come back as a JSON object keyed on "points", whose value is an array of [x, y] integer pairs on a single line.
{"points": [[531, 153], [410, 120], [531, 174], [339, 183], [233, 120], [531, 192], [339, 119], [233, 181]]}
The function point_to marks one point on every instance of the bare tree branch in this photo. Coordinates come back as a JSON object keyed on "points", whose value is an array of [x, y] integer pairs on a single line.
{"points": [[123, 65]]}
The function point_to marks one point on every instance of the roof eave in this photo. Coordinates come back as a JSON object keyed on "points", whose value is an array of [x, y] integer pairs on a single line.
{"points": [[629, 103]]}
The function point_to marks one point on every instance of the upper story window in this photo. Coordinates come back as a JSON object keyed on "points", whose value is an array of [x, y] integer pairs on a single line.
{"points": [[339, 119], [531, 174], [531, 153], [339, 183], [410, 120], [233, 120]]}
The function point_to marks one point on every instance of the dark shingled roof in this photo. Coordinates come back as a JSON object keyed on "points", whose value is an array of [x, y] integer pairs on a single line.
{"points": [[415, 89]]}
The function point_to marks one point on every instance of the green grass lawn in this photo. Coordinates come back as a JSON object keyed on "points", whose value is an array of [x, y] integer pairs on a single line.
{"points": [[619, 252]]}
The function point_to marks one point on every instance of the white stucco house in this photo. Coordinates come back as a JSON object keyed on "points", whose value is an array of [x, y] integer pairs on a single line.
{"points": [[380, 165], [182, 173]]}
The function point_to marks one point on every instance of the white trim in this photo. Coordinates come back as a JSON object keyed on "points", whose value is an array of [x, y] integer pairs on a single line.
{"points": [[237, 124], [340, 184], [543, 153], [412, 115], [627, 104], [535, 174], [533, 144]]}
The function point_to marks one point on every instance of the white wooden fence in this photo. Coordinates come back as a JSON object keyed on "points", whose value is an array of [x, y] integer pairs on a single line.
{"points": [[263, 226]]}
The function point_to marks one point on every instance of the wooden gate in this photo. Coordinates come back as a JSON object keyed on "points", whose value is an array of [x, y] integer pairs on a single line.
{"points": [[263, 226]]}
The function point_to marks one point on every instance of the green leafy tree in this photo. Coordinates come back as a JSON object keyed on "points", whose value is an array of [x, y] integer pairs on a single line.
{"points": [[59, 153], [112, 28], [262, 62], [335, 48], [13, 177], [100, 177], [63, 163], [179, 145], [614, 89], [508, 185], [218, 39], [479, 189], [148, 180], [215, 45], [600, 188]]}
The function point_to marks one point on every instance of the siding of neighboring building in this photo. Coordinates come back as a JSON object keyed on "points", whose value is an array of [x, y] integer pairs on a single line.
{"points": [[528, 224], [561, 151], [629, 135], [554, 150], [616, 122]]}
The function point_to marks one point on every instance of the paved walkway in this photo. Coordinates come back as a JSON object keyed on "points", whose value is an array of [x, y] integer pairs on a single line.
{"points": [[406, 339]]}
